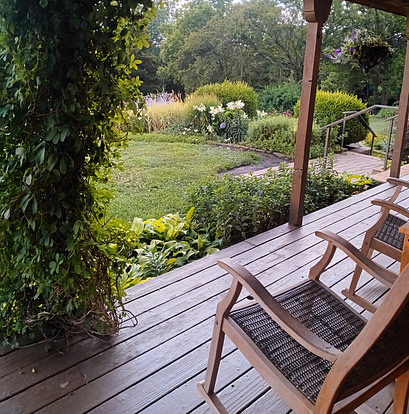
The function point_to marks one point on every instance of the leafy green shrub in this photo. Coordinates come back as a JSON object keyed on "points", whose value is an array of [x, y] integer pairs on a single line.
{"points": [[235, 208], [379, 142], [231, 92], [386, 113], [329, 107], [279, 98], [278, 133], [146, 249]]}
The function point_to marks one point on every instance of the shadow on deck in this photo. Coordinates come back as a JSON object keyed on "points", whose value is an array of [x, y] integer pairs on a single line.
{"points": [[154, 367]]}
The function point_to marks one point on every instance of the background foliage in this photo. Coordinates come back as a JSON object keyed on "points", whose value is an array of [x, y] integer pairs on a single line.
{"points": [[65, 73]]}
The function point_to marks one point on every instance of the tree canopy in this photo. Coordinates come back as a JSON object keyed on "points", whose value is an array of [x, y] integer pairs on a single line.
{"points": [[262, 42]]}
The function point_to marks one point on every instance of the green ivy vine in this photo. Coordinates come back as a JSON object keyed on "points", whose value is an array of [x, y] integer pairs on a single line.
{"points": [[65, 79]]}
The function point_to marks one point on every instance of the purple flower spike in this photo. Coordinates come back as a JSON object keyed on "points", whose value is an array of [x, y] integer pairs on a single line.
{"points": [[337, 51]]}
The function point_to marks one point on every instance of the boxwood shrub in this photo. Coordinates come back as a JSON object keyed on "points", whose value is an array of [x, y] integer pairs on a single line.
{"points": [[278, 133], [329, 107], [231, 92]]}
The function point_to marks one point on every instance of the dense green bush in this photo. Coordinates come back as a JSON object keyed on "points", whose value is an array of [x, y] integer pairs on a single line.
{"points": [[231, 92], [280, 98], [386, 113], [329, 107], [235, 208], [278, 133], [65, 74]]}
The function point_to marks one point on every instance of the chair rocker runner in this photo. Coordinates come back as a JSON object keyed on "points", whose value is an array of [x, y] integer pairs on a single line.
{"points": [[310, 346], [383, 237]]}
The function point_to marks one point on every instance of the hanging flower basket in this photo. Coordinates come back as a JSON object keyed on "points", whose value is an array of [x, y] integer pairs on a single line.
{"points": [[363, 49], [368, 57]]}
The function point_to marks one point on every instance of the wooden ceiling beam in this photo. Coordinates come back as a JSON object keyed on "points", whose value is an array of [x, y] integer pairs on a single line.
{"points": [[391, 6]]}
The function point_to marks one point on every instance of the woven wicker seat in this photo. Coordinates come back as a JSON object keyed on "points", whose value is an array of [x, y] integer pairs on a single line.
{"points": [[312, 347], [383, 237]]}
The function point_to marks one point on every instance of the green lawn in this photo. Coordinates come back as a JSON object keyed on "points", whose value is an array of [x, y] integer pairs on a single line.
{"points": [[379, 125], [156, 174]]}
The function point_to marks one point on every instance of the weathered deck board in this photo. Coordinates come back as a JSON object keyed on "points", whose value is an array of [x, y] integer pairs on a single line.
{"points": [[154, 366]]}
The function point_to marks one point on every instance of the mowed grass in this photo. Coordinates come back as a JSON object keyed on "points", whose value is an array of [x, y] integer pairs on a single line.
{"points": [[156, 175], [379, 125]]}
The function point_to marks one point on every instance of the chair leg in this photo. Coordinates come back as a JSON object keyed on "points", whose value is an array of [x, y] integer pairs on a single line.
{"points": [[206, 387], [350, 292], [400, 401]]}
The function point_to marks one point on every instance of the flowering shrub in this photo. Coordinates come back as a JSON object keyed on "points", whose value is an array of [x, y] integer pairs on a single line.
{"points": [[232, 92], [228, 122], [361, 48]]}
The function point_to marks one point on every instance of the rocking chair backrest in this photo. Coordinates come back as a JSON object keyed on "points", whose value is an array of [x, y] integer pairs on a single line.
{"points": [[381, 347]]}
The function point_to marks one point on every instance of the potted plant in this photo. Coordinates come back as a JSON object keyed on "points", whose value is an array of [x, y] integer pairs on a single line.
{"points": [[363, 49]]}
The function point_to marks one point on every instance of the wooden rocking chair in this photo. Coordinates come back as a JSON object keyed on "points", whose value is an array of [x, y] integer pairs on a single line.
{"points": [[383, 237], [309, 345]]}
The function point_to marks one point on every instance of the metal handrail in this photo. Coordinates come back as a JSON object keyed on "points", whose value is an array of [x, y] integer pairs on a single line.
{"points": [[363, 111], [354, 115]]}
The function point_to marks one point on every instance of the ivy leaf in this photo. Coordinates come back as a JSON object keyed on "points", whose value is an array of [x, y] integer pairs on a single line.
{"points": [[40, 156], [63, 166], [64, 133], [51, 161], [43, 3]]}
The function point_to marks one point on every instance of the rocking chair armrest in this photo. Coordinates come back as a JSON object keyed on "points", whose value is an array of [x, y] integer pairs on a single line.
{"points": [[281, 316], [398, 181], [373, 268], [388, 205]]}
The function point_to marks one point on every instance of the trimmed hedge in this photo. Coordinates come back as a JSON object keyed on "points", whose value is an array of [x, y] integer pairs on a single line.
{"points": [[329, 107], [278, 133], [231, 92]]}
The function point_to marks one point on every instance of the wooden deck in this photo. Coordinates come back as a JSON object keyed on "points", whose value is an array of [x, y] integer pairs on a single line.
{"points": [[154, 367]]}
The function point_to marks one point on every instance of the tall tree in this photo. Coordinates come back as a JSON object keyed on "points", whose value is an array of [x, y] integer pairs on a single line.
{"points": [[259, 42]]}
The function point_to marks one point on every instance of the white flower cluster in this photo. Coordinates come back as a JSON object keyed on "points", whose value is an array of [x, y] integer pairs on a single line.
{"points": [[216, 110], [261, 113], [200, 108], [235, 105]]}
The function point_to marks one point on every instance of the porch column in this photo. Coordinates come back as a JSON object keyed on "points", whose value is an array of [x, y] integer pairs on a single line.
{"points": [[316, 13], [403, 109]]}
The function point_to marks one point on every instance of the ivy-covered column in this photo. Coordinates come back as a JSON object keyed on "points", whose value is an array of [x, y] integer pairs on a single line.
{"points": [[65, 75]]}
